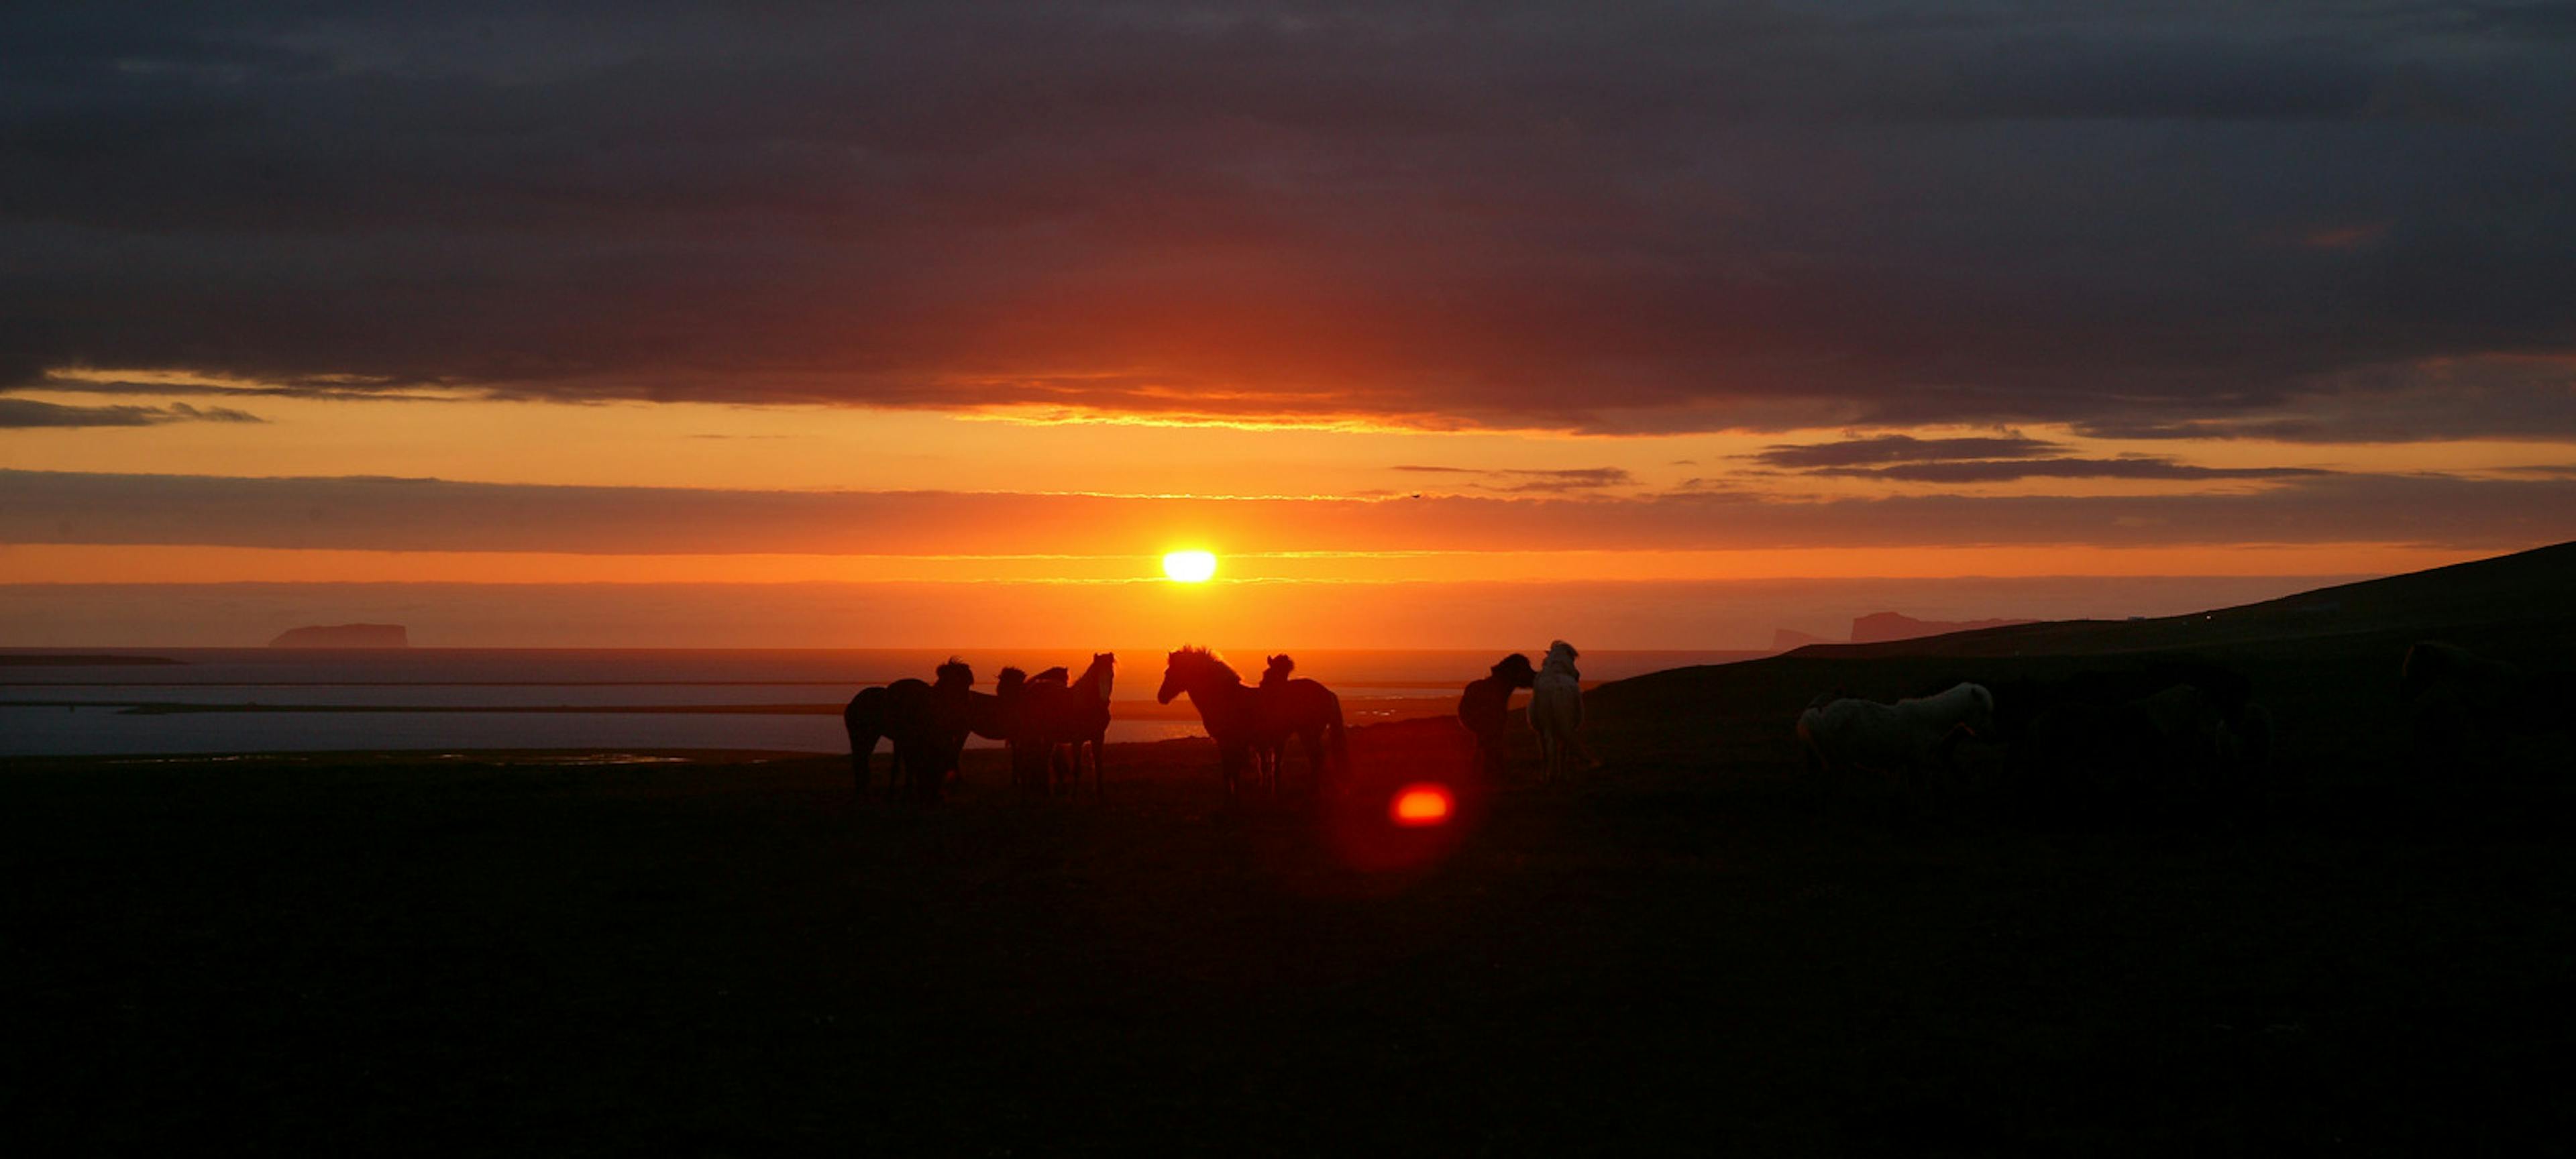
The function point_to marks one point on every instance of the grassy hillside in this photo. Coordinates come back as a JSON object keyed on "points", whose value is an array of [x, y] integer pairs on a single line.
{"points": [[2325, 663]]}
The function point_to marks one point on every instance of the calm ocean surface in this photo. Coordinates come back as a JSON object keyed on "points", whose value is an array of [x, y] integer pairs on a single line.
{"points": [[440, 699]]}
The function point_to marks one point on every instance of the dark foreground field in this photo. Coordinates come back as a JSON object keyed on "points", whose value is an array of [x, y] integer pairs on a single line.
{"points": [[733, 958], [2358, 952]]}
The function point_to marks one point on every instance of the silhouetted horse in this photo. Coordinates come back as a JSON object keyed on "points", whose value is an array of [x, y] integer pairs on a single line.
{"points": [[2158, 724], [997, 717], [1036, 729], [1235, 718], [1486, 709], [2173, 745], [1087, 719], [1556, 712], [865, 721], [2465, 708], [1302, 708], [928, 724], [988, 714], [1910, 738], [2020, 702]]}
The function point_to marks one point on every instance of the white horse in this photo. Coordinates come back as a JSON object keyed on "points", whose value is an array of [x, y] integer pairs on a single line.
{"points": [[1556, 712], [1907, 738]]}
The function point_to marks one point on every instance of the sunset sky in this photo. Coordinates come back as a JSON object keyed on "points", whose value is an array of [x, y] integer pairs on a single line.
{"points": [[1438, 324]]}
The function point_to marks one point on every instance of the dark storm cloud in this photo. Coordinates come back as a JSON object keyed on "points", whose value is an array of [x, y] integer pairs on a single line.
{"points": [[435, 515], [1615, 219], [2002, 471], [1899, 449], [338, 390], [26, 413], [1532, 481], [1996, 459]]}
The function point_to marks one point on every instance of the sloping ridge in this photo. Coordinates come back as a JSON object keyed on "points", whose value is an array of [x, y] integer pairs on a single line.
{"points": [[2526, 599], [2534, 585]]}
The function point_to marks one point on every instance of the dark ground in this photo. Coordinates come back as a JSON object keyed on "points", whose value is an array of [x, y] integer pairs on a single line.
{"points": [[2358, 954], [736, 958]]}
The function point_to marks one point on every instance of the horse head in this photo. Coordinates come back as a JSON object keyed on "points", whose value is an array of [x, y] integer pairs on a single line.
{"points": [[1516, 669], [955, 674], [1187, 668], [1106, 664], [1979, 719], [1280, 666], [1009, 681]]}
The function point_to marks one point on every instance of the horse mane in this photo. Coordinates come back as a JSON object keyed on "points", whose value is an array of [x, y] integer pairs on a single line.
{"points": [[1194, 654], [1010, 678], [1951, 698], [1055, 675], [957, 671]]}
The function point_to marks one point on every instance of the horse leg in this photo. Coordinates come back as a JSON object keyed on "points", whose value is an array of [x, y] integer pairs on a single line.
{"points": [[1099, 775]]}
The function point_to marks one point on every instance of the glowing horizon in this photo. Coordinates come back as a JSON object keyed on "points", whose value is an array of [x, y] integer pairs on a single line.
{"points": [[1007, 324]]}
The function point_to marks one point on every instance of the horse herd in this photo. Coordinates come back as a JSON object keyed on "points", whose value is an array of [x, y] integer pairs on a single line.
{"points": [[2171, 727], [1048, 721], [2174, 725]]}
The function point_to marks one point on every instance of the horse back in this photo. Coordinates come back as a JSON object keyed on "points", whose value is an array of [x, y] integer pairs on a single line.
{"points": [[866, 710]]}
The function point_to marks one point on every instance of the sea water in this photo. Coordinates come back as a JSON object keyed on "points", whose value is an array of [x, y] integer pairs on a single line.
{"points": [[606, 700]]}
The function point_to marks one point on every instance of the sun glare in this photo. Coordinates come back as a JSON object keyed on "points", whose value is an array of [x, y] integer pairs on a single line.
{"points": [[1190, 567], [1420, 805]]}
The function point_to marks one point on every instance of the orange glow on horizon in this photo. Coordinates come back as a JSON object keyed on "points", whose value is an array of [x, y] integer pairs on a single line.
{"points": [[185, 563]]}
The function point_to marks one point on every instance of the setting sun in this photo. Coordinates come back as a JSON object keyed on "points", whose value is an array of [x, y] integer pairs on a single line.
{"points": [[1190, 567]]}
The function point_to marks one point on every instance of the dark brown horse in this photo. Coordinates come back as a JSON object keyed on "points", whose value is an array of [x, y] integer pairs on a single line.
{"points": [[1241, 718], [1485, 708], [2469, 713], [1086, 720], [928, 724], [1051, 722], [1036, 729], [1311, 713], [1228, 708]]}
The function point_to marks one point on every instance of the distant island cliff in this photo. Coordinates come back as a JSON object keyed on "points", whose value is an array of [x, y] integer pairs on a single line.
{"points": [[1885, 627], [344, 636]]}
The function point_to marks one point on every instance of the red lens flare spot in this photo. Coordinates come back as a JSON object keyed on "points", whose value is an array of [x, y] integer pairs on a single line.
{"points": [[1421, 805]]}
